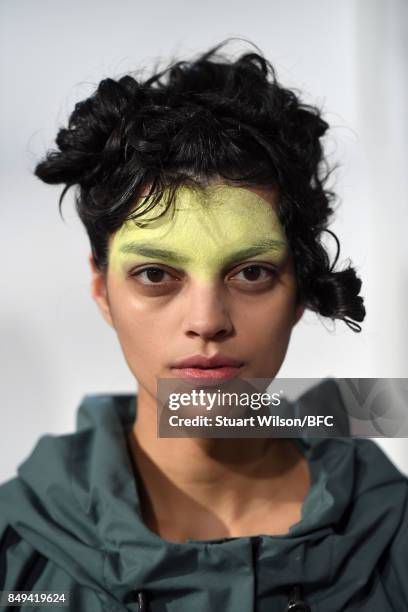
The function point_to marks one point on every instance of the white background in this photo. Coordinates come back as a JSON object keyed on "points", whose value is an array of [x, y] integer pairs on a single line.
{"points": [[348, 57]]}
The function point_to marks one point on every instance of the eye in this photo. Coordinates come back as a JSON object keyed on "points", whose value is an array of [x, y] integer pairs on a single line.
{"points": [[153, 274], [253, 274]]}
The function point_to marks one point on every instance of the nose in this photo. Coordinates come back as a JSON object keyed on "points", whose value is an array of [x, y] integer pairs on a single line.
{"points": [[207, 313]]}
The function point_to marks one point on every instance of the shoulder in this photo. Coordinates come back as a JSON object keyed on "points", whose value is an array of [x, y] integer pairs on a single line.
{"points": [[24, 568], [371, 467], [361, 483], [20, 564], [387, 488], [380, 492], [375, 466]]}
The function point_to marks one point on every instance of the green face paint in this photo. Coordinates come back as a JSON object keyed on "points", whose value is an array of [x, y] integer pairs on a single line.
{"points": [[204, 232]]}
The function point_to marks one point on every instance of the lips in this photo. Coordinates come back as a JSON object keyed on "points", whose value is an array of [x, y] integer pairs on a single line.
{"points": [[202, 362], [217, 368]]}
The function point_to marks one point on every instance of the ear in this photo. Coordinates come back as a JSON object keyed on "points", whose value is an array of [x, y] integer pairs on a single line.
{"points": [[300, 309], [99, 291]]}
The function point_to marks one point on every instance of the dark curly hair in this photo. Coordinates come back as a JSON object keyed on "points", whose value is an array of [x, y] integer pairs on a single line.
{"points": [[191, 122]]}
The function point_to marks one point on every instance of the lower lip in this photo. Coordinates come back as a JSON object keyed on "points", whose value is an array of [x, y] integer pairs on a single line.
{"points": [[224, 373]]}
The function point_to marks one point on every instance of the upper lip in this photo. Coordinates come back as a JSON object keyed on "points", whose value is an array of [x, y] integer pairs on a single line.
{"points": [[200, 361]]}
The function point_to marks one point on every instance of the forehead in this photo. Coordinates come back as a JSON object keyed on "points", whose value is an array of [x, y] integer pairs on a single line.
{"points": [[217, 215]]}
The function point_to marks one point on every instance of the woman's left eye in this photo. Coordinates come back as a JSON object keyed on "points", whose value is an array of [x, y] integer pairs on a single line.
{"points": [[253, 273]]}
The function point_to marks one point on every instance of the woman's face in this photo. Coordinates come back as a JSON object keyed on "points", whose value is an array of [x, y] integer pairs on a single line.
{"points": [[213, 276]]}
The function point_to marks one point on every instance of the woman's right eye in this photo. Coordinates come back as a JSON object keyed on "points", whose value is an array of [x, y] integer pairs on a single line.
{"points": [[154, 275]]}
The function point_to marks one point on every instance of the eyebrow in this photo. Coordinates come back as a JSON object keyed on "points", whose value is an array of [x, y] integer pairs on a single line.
{"points": [[148, 250]]}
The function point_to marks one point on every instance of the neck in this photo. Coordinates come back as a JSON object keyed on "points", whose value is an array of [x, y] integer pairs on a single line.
{"points": [[223, 481]]}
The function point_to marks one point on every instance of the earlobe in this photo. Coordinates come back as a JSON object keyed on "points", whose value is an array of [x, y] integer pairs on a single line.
{"points": [[99, 291]]}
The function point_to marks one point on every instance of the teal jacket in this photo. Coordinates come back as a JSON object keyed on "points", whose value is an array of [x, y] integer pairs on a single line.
{"points": [[71, 522]]}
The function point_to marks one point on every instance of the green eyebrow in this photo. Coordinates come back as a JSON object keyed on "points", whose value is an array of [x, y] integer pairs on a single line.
{"points": [[147, 250]]}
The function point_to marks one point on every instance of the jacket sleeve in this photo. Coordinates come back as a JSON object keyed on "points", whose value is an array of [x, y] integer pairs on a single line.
{"points": [[20, 564]]}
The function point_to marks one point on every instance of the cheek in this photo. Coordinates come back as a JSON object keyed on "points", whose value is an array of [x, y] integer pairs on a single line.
{"points": [[274, 311], [267, 324], [138, 328], [140, 335]]}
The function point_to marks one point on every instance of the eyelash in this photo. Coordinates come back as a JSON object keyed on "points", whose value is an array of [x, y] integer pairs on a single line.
{"points": [[272, 271]]}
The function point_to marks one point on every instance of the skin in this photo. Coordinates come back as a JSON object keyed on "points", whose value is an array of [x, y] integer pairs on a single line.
{"points": [[198, 230], [206, 300]]}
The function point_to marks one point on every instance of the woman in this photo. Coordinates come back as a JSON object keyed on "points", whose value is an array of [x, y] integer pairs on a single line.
{"points": [[202, 190]]}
